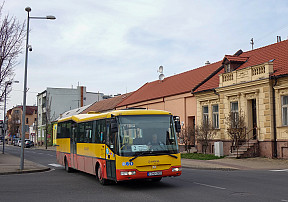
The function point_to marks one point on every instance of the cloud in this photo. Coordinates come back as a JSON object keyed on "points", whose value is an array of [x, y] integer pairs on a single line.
{"points": [[110, 46]]}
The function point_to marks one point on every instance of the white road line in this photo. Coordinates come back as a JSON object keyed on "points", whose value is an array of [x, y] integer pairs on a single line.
{"points": [[283, 170], [55, 165], [207, 185]]}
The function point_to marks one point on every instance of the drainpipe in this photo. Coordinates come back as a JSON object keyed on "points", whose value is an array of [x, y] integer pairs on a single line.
{"points": [[274, 119]]}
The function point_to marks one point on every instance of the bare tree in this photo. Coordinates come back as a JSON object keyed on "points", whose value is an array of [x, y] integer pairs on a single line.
{"points": [[48, 119], [12, 34], [236, 129], [14, 124], [205, 133], [187, 137]]}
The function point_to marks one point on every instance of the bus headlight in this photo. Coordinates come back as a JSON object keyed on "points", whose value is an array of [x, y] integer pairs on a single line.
{"points": [[128, 173], [176, 169]]}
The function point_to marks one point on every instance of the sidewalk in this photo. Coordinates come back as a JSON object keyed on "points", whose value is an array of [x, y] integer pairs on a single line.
{"points": [[237, 164], [10, 164]]}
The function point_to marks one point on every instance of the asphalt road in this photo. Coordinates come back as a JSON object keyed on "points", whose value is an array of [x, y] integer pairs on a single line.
{"points": [[193, 185]]}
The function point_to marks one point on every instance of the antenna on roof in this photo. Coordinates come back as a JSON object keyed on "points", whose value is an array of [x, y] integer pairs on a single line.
{"points": [[160, 70], [252, 43], [161, 75]]}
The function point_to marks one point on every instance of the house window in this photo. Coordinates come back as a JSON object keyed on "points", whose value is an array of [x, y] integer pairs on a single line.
{"points": [[27, 120], [205, 114], [215, 116], [234, 114], [285, 110]]}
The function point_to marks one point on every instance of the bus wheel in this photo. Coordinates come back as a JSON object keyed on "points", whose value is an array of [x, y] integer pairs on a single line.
{"points": [[67, 168], [100, 176], [156, 179]]}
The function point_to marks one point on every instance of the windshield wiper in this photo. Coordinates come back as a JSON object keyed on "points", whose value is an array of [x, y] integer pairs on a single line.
{"points": [[137, 155], [173, 156]]}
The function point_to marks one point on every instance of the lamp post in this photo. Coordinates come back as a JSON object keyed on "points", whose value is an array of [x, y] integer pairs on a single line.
{"points": [[28, 47], [7, 83]]}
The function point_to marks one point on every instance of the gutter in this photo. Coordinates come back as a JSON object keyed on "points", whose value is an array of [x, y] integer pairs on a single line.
{"points": [[274, 150]]}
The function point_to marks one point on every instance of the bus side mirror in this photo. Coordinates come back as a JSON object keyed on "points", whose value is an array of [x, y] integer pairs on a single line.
{"points": [[177, 124], [114, 126]]}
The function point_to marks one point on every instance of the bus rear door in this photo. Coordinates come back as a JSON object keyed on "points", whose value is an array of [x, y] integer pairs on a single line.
{"points": [[73, 148]]}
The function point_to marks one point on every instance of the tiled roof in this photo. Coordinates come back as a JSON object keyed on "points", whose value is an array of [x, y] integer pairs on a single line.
{"points": [[278, 53], [30, 110], [107, 104], [173, 85], [235, 58]]}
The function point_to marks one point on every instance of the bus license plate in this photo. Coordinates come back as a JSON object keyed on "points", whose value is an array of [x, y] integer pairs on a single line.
{"points": [[154, 173]]}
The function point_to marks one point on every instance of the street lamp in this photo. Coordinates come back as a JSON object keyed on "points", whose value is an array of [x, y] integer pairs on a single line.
{"points": [[7, 83], [28, 47]]}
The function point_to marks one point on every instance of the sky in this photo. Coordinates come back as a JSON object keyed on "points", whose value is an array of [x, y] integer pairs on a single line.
{"points": [[116, 46]]}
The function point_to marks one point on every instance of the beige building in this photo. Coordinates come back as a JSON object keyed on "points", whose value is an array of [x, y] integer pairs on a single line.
{"points": [[254, 84], [14, 117]]}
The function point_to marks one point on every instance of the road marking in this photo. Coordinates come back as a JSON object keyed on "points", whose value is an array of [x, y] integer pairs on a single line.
{"points": [[207, 185], [55, 165], [283, 170]]}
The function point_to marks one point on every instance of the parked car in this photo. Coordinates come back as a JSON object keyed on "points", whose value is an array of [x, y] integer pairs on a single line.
{"points": [[15, 141], [29, 143]]}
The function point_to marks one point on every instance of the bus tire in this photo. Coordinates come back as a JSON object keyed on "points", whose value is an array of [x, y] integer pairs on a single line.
{"points": [[67, 168], [156, 179], [99, 175]]}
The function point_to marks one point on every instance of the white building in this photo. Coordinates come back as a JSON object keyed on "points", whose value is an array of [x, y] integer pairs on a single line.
{"points": [[56, 101]]}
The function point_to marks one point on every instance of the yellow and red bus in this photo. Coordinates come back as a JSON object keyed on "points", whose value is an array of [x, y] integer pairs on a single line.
{"points": [[120, 145]]}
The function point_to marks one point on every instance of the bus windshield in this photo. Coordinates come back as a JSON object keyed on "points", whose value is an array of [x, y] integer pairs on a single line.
{"points": [[146, 134]]}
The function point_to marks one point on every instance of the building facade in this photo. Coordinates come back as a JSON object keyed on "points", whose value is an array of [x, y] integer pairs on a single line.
{"points": [[252, 84], [55, 101], [14, 117]]}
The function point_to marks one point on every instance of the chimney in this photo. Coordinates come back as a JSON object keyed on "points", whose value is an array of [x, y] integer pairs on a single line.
{"points": [[207, 63], [278, 39]]}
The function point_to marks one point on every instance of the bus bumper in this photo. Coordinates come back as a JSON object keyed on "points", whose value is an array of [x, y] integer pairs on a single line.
{"points": [[133, 174]]}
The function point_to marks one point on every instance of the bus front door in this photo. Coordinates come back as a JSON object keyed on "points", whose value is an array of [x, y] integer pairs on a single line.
{"points": [[110, 156], [73, 148]]}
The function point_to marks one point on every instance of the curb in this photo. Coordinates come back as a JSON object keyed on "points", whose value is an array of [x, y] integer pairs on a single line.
{"points": [[25, 171], [204, 168]]}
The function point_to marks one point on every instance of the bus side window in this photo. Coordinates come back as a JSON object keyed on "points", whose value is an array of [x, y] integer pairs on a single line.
{"points": [[88, 132], [81, 132], [68, 130], [97, 132], [59, 125], [103, 131], [94, 132]]}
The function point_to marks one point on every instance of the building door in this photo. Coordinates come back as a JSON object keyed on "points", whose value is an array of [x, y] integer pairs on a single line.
{"points": [[254, 119]]}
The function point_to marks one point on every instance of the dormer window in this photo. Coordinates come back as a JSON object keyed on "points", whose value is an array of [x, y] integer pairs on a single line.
{"points": [[227, 67], [232, 62]]}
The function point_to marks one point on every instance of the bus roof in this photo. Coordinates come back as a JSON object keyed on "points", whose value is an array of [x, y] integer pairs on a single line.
{"points": [[94, 116]]}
